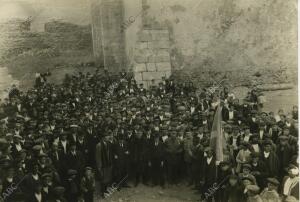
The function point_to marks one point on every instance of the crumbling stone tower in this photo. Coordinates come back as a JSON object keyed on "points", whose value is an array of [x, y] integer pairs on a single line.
{"points": [[108, 38], [152, 53]]}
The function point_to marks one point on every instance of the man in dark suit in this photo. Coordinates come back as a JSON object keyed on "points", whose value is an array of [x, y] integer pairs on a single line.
{"points": [[147, 143], [158, 161], [271, 160], [63, 144], [130, 139], [284, 153], [74, 159], [121, 159], [229, 113], [174, 150], [37, 195], [16, 147], [209, 171], [73, 135], [56, 158], [138, 156], [104, 160], [92, 140], [253, 122]]}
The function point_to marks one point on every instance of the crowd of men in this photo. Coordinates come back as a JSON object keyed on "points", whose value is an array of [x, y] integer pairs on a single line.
{"points": [[57, 140]]}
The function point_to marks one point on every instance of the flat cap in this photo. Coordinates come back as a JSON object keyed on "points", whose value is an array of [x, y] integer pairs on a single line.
{"points": [[273, 181]]}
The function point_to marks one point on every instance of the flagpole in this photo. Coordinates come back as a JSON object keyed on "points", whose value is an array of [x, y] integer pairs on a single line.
{"points": [[217, 111]]}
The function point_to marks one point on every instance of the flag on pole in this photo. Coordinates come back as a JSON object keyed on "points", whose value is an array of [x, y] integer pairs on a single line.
{"points": [[217, 141]]}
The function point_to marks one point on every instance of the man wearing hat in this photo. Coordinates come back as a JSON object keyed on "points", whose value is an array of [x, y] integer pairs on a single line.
{"points": [[208, 171], [92, 140], [258, 168], [88, 185], [173, 151], [57, 159], [246, 173], [120, 159], [137, 155], [74, 159], [72, 186], [158, 161], [290, 183], [262, 131], [284, 153], [63, 144], [147, 144], [104, 160], [234, 141], [243, 155], [246, 137], [224, 170], [253, 122], [31, 180], [16, 147], [255, 144], [58, 194], [233, 190], [73, 134], [47, 186], [252, 192], [270, 194], [8, 181], [270, 158]]}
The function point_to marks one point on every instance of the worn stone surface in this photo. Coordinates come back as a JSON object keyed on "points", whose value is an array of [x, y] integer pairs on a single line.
{"points": [[109, 39], [152, 61], [140, 67], [148, 76], [151, 67], [138, 76], [164, 66]]}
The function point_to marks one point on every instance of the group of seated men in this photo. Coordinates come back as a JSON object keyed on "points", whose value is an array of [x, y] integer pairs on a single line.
{"points": [[58, 140]]}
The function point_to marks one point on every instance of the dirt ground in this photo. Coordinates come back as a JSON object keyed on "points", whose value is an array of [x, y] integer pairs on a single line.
{"points": [[142, 193]]}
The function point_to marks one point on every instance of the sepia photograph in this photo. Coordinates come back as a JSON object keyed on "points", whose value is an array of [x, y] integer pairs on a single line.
{"points": [[149, 101]]}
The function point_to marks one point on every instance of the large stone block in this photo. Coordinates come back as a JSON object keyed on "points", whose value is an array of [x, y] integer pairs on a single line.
{"points": [[163, 43], [151, 67], [138, 76], [159, 31], [140, 67], [159, 59], [141, 45], [141, 59], [143, 52], [167, 74], [148, 76], [163, 66], [160, 34], [163, 52], [144, 36]]}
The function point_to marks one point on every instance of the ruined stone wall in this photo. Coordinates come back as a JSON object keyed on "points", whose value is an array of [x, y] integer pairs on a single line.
{"points": [[152, 58], [231, 37]]}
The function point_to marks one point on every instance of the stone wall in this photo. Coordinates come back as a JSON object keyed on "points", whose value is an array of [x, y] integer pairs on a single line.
{"points": [[61, 46], [152, 56]]}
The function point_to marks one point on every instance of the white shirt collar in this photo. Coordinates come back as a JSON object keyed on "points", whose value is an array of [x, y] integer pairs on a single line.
{"points": [[266, 155], [38, 197], [208, 160]]}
